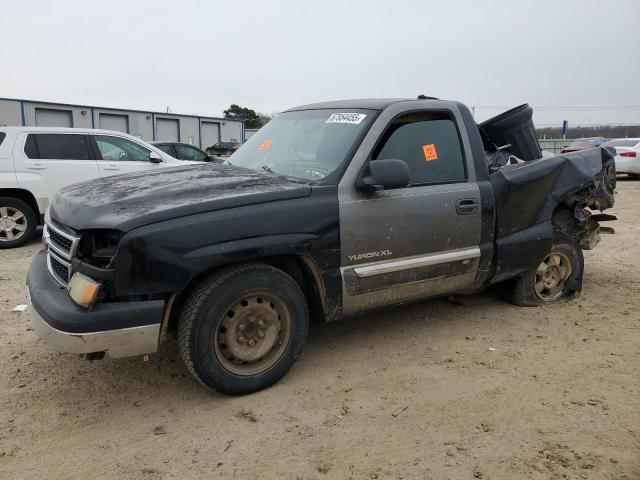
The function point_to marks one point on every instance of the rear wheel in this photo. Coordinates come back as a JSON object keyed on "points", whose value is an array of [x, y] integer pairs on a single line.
{"points": [[243, 328], [18, 222], [559, 275]]}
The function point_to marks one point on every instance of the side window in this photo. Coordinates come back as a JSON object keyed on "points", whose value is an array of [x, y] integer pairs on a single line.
{"points": [[56, 146], [166, 149], [429, 145], [189, 153], [2, 135], [120, 149]]}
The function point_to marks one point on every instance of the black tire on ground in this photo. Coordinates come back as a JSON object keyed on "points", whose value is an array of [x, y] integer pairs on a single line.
{"points": [[536, 287], [18, 222], [242, 328]]}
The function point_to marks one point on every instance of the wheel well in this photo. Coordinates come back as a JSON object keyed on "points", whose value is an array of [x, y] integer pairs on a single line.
{"points": [[304, 272], [24, 195], [301, 269], [564, 220]]}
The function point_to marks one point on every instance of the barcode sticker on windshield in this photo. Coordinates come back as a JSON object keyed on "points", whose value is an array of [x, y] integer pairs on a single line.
{"points": [[354, 118]]}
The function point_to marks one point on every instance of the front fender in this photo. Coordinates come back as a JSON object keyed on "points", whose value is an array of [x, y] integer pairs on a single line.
{"points": [[166, 256]]}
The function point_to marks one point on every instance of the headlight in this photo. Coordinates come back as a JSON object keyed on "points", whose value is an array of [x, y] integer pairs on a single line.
{"points": [[83, 290], [98, 247]]}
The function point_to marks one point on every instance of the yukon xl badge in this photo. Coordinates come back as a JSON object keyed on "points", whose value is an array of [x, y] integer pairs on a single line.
{"points": [[367, 255]]}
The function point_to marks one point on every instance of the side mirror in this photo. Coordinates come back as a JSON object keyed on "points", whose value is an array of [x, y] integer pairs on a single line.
{"points": [[155, 157], [385, 174]]}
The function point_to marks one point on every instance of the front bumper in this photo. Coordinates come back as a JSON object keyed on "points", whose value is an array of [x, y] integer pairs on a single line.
{"points": [[120, 329]]}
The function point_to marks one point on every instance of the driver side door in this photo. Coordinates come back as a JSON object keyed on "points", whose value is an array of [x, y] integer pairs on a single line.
{"points": [[422, 240]]}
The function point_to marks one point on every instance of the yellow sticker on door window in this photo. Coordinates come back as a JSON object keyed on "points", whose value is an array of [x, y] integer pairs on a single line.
{"points": [[266, 144], [430, 152]]}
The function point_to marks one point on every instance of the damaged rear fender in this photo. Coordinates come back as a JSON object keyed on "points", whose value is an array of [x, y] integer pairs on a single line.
{"points": [[530, 195]]}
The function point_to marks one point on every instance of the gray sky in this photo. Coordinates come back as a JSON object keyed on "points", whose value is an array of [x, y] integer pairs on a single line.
{"points": [[199, 57]]}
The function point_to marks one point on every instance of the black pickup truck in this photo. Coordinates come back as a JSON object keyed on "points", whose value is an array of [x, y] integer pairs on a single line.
{"points": [[329, 210]]}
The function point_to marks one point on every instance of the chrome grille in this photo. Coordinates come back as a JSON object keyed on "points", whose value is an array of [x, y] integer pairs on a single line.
{"points": [[61, 242], [59, 268], [61, 248]]}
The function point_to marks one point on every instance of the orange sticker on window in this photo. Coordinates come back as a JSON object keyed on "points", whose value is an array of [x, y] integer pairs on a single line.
{"points": [[266, 144], [430, 152]]}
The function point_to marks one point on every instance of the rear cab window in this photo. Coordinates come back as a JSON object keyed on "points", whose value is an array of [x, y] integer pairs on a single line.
{"points": [[2, 137], [57, 146]]}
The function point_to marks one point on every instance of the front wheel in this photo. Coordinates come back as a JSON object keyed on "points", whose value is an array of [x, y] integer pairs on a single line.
{"points": [[243, 328], [559, 275]]}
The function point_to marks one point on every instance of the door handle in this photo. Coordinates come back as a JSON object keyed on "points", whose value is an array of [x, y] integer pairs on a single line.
{"points": [[36, 166], [466, 206], [111, 167]]}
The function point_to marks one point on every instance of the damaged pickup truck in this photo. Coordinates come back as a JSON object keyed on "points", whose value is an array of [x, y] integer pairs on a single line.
{"points": [[329, 210]]}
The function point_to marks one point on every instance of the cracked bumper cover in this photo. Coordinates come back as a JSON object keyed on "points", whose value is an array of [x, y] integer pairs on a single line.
{"points": [[120, 329]]}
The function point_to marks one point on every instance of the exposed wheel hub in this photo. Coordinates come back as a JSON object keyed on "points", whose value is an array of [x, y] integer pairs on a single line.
{"points": [[251, 334], [255, 333], [552, 275]]}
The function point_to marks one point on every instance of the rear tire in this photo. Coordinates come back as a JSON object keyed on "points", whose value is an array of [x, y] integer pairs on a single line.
{"points": [[242, 328], [558, 276], [18, 222]]}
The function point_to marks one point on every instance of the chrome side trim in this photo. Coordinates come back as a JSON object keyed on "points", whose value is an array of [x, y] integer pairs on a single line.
{"points": [[125, 342], [379, 268]]}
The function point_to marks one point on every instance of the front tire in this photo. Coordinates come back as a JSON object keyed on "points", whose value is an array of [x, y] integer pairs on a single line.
{"points": [[243, 328], [18, 222], [559, 275]]}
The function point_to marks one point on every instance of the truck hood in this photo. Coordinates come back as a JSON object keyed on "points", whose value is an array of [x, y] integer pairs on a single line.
{"points": [[125, 202]]}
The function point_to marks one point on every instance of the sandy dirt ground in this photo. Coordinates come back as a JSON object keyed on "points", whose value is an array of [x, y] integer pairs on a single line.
{"points": [[473, 388]]}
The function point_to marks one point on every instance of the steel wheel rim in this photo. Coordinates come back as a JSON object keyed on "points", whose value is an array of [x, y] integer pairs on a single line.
{"points": [[552, 275], [254, 333], [13, 224]]}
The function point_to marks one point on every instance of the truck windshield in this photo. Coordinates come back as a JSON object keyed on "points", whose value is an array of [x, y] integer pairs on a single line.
{"points": [[307, 144]]}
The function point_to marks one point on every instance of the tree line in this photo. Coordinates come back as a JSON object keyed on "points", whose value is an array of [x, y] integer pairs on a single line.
{"points": [[255, 119], [606, 131]]}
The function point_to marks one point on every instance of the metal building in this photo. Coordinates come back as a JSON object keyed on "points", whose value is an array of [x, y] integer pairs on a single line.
{"points": [[150, 126]]}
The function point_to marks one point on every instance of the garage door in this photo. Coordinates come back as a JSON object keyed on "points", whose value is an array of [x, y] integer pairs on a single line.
{"points": [[167, 130], [210, 132], [119, 123], [49, 117]]}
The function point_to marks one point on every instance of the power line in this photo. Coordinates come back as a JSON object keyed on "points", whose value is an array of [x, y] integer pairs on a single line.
{"points": [[568, 108], [605, 124]]}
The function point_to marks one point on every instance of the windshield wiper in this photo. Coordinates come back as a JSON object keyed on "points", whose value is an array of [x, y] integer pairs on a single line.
{"points": [[267, 168]]}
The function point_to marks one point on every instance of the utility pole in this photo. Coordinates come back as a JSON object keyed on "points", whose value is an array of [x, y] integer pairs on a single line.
{"points": [[473, 112]]}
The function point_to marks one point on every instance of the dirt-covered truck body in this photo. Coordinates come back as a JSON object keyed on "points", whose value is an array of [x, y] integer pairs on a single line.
{"points": [[329, 210]]}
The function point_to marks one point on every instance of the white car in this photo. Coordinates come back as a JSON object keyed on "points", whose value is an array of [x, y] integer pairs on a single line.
{"points": [[35, 162], [627, 155]]}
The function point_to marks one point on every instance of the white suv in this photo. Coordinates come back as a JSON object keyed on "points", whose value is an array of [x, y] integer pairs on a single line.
{"points": [[35, 162]]}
